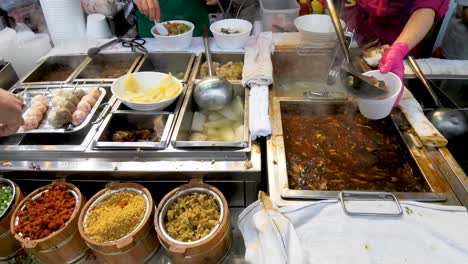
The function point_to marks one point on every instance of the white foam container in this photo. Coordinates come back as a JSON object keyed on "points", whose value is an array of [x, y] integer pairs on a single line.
{"points": [[231, 41], [381, 108], [176, 42]]}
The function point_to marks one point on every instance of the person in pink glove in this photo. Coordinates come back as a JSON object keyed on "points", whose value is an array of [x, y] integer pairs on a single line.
{"points": [[402, 24]]}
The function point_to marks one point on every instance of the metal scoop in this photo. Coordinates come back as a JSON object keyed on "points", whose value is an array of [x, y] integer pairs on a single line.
{"points": [[212, 93], [449, 122], [351, 79]]}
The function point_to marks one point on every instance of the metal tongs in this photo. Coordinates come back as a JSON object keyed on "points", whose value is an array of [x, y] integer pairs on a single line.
{"points": [[351, 79]]}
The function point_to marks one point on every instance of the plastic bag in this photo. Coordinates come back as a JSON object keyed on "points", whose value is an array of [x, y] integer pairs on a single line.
{"points": [[104, 7]]}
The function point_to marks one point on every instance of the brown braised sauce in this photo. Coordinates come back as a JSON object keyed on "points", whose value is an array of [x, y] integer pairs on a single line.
{"points": [[339, 151]]}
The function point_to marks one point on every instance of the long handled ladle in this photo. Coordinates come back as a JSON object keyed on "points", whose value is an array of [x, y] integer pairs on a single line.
{"points": [[449, 122], [352, 80]]}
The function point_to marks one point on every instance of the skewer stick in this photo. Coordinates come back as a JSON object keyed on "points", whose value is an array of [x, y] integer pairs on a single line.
{"points": [[74, 88]]}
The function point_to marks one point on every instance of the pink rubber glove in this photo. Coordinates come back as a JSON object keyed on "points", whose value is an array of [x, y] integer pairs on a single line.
{"points": [[392, 61]]}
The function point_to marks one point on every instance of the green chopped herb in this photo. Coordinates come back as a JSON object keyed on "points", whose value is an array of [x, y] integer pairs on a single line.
{"points": [[6, 194]]}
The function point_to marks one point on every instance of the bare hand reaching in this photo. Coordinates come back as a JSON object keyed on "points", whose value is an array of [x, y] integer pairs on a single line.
{"points": [[10, 113], [149, 8]]}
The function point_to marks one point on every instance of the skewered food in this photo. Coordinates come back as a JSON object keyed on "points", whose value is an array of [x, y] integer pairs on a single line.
{"points": [[36, 112], [59, 117], [79, 93], [84, 106], [60, 101]]}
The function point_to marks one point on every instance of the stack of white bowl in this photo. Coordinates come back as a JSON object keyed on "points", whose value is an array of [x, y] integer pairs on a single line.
{"points": [[97, 27], [317, 28], [65, 19]]}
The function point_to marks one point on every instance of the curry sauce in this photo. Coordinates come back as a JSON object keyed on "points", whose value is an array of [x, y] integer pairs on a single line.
{"points": [[342, 150]]}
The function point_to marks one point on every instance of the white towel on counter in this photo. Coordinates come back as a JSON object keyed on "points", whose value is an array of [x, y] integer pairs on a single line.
{"points": [[321, 232], [258, 75], [423, 128], [433, 66]]}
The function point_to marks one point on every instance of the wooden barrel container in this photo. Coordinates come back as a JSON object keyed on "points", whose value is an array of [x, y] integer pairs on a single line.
{"points": [[9, 246], [211, 248], [136, 247], [62, 246]]}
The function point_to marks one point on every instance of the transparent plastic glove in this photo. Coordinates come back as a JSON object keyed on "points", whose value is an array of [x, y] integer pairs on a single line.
{"points": [[392, 61]]}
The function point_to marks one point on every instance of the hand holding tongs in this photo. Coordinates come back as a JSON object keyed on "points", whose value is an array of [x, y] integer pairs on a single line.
{"points": [[350, 76]]}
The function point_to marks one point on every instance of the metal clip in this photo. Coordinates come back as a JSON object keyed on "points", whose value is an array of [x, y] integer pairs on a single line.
{"points": [[369, 196]]}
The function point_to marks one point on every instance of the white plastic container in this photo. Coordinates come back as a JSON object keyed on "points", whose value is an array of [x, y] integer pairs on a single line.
{"points": [[146, 79], [231, 41], [279, 15], [379, 108], [176, 42], [97, 27], [316, 26]]}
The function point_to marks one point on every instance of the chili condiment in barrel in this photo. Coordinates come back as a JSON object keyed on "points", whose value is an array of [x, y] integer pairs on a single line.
{"points": [[193, 224], [10, 197], [45, 223], [117, 224]]}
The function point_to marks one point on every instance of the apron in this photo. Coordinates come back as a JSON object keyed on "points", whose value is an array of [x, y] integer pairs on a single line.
{"points": [[195, 11]]}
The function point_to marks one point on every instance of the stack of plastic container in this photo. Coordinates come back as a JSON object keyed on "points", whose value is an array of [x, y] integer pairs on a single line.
{"points": [[65, 19], [279, 15]]}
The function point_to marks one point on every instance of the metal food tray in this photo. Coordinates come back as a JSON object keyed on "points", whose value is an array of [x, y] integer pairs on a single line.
{"points": [[160, 122], [44, 126], [92, 70], [179, 64], [222, 58], [36, 77], [430, 175], [184, 122]]}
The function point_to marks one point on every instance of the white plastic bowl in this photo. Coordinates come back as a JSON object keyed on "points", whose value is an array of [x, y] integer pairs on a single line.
{"points": [[231, 41], [146, 79], [316, 26], [379, 108], [176, 42]]}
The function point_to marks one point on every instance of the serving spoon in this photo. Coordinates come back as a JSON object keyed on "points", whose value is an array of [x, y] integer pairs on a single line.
{"points": [[162, 30], [449, 122], [351, 79]]}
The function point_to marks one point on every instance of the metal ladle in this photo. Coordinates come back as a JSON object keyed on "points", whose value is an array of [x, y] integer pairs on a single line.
{"points": [[212, 93], [351, 79], [449, 122]]}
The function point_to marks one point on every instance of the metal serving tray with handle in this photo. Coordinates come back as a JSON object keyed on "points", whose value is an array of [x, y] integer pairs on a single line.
{"points": [[46, 72], [417, 156], [182, 131], [44, 126], [121, 120]]}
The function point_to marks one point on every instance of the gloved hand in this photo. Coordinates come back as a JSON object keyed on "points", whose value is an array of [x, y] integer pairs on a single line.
{"points": [[392, 61]]}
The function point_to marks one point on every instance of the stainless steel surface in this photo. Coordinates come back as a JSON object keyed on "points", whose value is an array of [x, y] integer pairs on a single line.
{"points": [[95, 50], [339, 30], [433, 177], [179, 64], [160, 122], [8, 76], [449, 122], [180, 137], [36, 77], [7, 182], [94, 69], [162, 214], [213, 92], [44, 126], [369, 196]]}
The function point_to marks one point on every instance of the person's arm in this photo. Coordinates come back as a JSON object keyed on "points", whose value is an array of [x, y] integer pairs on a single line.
{"points": [[417, 27], [152, 10], [10, 113]]}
